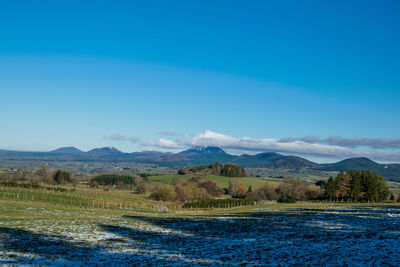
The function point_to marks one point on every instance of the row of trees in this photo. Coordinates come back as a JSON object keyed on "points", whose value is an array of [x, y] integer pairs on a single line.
{"points": [[357, 186], [233, 170], [113, 179], [229, 170], [219, 203]]}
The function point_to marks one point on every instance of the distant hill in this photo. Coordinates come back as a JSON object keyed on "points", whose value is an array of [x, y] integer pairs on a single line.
{"points": [[67, 150], [199, 156], [273, 160], [390, 171], [104, 151], [293, 162], [353, 164], [261, 160]]}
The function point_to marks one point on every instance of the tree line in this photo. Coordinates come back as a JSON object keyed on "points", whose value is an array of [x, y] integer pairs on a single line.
{"points": [[228, 170], [356, 186], [220, 203]]}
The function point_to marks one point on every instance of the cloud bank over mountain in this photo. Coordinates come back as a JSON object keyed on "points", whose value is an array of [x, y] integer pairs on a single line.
{"points": [[376, 143], [331, 147]]}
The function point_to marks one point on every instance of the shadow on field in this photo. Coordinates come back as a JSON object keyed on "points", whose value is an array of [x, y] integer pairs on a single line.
{"points": [[29, 248], [50, 247]]}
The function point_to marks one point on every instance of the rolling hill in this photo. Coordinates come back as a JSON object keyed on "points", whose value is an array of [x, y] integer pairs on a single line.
{"points": [[273, 160], [104, 151], [198, 156], [67, 150]]}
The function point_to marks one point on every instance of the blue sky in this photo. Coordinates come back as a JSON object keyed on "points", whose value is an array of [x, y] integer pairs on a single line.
{"points": [[171, 74]]}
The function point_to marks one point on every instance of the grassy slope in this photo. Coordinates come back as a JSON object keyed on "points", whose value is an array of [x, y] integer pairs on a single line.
{"points": [[82, 197], [168, 178], [221, 181]]}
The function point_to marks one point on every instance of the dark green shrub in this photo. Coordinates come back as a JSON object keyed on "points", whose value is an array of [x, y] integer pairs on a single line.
{"points": [[113, 179], [62, 177], [288, 199]]}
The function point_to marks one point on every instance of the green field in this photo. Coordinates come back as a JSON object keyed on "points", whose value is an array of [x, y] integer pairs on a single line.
{"points": [[222, 181]]}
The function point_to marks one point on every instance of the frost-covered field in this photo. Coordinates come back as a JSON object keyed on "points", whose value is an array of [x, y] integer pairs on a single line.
{"points": [[332, 236]]}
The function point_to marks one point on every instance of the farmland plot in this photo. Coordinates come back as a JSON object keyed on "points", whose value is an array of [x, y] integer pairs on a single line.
{"points": [[333, 236]]}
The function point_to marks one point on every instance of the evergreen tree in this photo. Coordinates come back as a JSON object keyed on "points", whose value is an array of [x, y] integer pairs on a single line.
{"points": [[355, 190], [330, 191], [249, 190]]}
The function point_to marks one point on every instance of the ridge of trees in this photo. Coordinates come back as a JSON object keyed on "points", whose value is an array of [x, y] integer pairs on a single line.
{"points": [[113, 179], [228, 170]]}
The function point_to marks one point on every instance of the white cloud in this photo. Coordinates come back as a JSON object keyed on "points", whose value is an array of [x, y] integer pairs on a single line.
{"points": [[164, 143], [304, 146], [359, 141]]}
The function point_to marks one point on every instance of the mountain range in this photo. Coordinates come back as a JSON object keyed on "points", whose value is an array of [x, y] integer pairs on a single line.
{"points": [[207, 155]]}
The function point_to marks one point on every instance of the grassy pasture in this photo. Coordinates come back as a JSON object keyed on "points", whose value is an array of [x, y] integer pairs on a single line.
{"points": [[168, 178], [223, 181]]}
